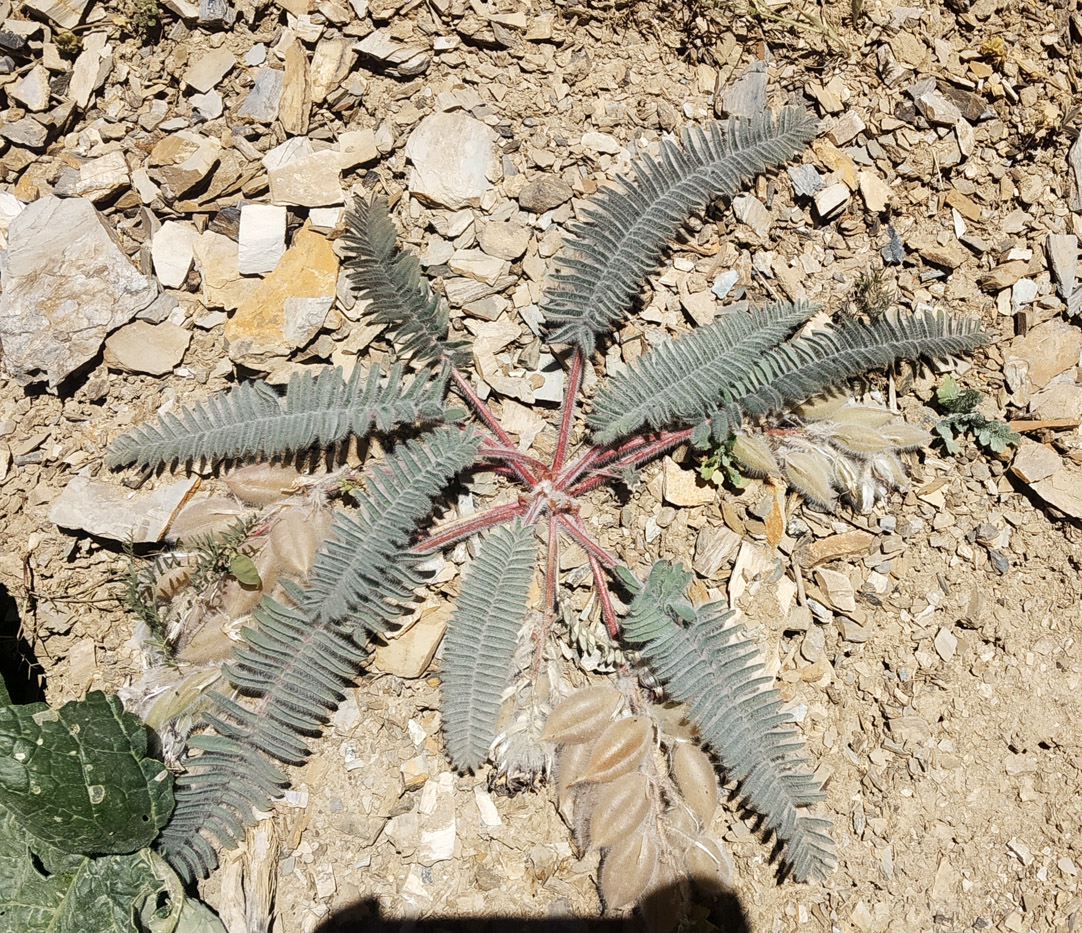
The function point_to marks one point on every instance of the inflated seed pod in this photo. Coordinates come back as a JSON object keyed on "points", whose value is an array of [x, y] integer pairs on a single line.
{"points": [[820, 406], [888, 468], [620, 808], [906, 436], [262, 483], [201, 517], [181, 696], [627, 869], [238, 600], [810, 473], [570, 764], [755, 455], [619, 750], [710, 864], [294, 539], [681, 825], [171, 581], [210, 644], [582, 716], [666, 902], [862, 414], [270, 567], [694, 774], [858, 438]]}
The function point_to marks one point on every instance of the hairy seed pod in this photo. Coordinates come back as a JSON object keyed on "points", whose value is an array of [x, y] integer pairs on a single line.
{"points": [[201, 517], [889, 470], [862, 415], [710, 864], [171, 581], [209, 645], [180, 697], [755, 455], [681, 825], [906, 436], [238, 600], [627, 869], [694, 774], [294, 539], [619, 750], [582, 716], [858, 439], [270, 567], [262, 483], [810, 473], [570, 764], [620, 808], [819, 407]]}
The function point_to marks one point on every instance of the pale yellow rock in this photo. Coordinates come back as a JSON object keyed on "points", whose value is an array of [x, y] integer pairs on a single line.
{"points": [[684, 487], [410, 653], [304, 279], [223, 285], [1050, 349], [1063, 489], [875, 192], [1034, 462]]}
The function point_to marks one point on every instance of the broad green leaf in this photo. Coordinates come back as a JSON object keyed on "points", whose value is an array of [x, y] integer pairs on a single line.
{"points": [[43, 890], [5, 697], [78, 777], [244, 570]]}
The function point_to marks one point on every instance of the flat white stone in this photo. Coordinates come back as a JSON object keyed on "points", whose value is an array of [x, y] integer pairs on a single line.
{"points": [[65, 285], [309, 181], [32, 89], [204, 74], [172, 250], [111, 511], [357, 147], [141, 347], [101, 178], [262, 239], [452, 154]]}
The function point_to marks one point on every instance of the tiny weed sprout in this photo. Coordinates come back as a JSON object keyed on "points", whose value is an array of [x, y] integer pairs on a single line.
{"points": [[317, 580]]}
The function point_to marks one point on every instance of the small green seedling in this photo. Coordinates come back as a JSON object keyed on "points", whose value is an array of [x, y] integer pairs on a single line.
{"points": [[960, 408]]}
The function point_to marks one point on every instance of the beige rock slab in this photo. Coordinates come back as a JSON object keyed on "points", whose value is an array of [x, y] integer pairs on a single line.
{"points": [[452, 155], [141, 347], [304, 278], [1063, 489], [120, 514], [410, 654], [1034, 462], [1049, 349], [217, 258]]}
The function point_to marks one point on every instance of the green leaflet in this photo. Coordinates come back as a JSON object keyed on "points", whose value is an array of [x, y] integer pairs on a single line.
{"points": [[480, 642], [710, 665], [44, 890], [78, 777]]}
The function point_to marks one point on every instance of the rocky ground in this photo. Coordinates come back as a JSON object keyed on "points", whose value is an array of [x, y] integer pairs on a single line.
{"points": [[173, 181]]}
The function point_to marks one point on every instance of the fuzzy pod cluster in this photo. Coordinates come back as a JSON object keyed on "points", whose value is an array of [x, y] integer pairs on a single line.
{"points": [[648, 813]]}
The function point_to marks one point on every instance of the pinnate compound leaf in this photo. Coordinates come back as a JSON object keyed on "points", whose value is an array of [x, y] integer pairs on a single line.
{"points": [[715, 669], [78, 777], [481, 639], [44, 890]]}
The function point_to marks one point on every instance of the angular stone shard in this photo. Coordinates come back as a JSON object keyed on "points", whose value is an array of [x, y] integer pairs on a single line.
{"points": [[66, 285], [109, 511]]}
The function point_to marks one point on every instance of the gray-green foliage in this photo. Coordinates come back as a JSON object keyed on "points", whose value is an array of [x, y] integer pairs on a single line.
{"points": [[706, 661], [80, 804], [488, 612], [959, 407], [297, 658]]}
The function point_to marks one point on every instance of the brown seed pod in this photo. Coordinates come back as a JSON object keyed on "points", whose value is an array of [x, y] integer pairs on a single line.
{"points": [[858, 439], [619, 750], [582, 716], [627, 869], [570, 764], [755, 455], [200, 517], [694, 774], [666, 902], [810, 473], [819, 407], [238, 600], [681, 825], [210, 644], [620, 808], [171, 581], [262, 483], [710, 864], [294, 539]]}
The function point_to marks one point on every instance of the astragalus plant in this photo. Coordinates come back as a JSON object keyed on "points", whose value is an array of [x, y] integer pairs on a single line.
{"points": [[304, 645]]}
